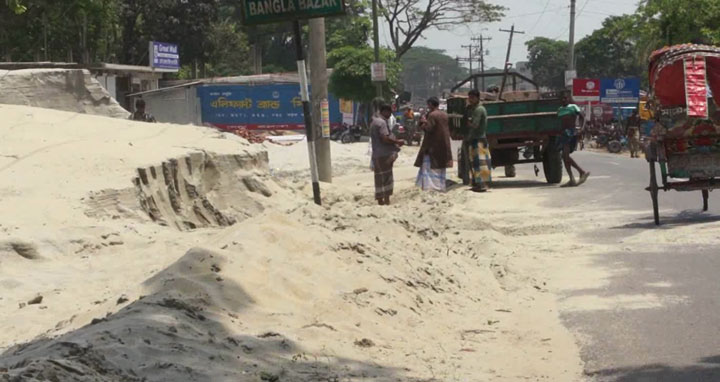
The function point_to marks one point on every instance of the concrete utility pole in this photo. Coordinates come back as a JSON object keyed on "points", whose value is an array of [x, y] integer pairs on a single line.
{"points": [[319, 93], [470, 55], [482, 39], [376, 44], [571, 63], [512, 32]]}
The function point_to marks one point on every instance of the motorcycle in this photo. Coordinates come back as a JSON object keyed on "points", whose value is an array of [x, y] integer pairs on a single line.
{"points": [[337, 132], [402, 133], [351, 134]]}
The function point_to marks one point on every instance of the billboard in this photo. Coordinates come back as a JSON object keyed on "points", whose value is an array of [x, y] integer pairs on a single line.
{"points": [[620, 90], [261, 107], [164, 56], [586, 90]]}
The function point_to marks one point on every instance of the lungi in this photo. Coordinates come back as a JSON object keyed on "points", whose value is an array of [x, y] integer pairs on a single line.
{"points": [[481, 163], [383, 168], [429, 179]]}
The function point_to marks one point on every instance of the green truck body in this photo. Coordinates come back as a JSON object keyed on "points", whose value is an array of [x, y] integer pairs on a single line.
{"points": [[523, 131]]}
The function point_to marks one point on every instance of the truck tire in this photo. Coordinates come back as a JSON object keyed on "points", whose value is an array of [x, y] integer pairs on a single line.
{"points": [[510, 171], [552, 164]]}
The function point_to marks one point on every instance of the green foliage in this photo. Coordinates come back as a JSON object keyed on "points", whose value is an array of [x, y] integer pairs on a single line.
{"points": [[611, 51], [16, 6], [350, 78], [669, 22], [427, 72], [548, 60], [228, 53], [354, 29]]}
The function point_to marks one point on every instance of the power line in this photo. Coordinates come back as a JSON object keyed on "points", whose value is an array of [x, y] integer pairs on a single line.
{"points": [[583, 8], [541, 16]]}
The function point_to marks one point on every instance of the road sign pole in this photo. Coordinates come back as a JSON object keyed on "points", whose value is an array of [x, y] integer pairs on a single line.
{"points": [[305, 96]]}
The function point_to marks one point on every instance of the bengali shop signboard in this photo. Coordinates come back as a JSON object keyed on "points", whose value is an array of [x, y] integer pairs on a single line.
{"points": [[586, 90], [264, 107], [272, 11]]}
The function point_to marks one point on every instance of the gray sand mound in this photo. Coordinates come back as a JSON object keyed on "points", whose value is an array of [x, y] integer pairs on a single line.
{"points": [[61, 89]]}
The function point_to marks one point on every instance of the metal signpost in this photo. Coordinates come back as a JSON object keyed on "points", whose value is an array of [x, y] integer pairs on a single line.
{"points": [[274, 11]]}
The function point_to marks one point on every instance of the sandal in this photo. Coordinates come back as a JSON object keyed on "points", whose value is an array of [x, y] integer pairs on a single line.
{"points": [[584, 177]]}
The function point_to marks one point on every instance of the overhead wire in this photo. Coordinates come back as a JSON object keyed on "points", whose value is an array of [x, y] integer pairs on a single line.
{"points": [[540, 17]]}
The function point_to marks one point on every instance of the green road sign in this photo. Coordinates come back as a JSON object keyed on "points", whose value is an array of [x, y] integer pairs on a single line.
{"points": [[271, 11]]}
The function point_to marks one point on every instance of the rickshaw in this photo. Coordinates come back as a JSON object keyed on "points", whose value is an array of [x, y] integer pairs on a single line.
{"points": [[685, 141]]}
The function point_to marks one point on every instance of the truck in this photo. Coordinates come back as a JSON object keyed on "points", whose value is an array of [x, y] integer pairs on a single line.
{"points": [[523, 126]]}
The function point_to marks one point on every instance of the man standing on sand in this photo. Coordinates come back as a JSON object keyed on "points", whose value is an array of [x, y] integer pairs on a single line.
{"points": [[567, 142], [435, 155], [474, 126], [140, 114], [385, 150]]}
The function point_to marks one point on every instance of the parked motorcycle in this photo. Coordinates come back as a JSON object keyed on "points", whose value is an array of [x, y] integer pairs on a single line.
{"points": [[351, 134], [337, 132]]}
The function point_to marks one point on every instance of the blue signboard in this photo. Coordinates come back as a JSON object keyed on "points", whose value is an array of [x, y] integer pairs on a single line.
{"points": [[164, 56], [264, 107], [620, 90]]}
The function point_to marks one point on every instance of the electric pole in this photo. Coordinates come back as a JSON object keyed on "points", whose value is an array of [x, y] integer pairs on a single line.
{"points": [[482, 39], [376, 44], [512, 32], [571, 63], [470, 55], [319, 98]]}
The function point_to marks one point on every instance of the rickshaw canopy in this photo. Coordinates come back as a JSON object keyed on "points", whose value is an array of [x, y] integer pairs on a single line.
{"points": [[684, 76]]}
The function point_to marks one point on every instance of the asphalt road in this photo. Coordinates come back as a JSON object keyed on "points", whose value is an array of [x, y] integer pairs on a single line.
{"points": [[677, 342]]}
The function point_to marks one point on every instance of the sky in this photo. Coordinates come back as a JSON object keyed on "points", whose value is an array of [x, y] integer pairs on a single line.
{"points": [[546, 18]]}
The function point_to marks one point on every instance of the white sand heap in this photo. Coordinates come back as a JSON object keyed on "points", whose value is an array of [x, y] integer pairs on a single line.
{"points": [[433, 288], [60, 89]]}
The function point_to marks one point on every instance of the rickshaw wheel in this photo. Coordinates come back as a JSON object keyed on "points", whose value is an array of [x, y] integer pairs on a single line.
{"points": [[654, 192], [706, 196]]}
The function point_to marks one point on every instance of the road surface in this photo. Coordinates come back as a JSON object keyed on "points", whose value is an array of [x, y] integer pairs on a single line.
{"points": [[674, 342]]}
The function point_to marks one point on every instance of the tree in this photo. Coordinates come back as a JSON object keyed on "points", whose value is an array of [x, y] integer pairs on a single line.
{"points": [[611, 51], [73, 30], [350, 78], [409, 19], [428, 72], [669, 22], [228, 50], [548, 60]]}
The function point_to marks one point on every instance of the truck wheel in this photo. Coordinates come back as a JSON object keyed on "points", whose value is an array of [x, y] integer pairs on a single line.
{"points": [[552, 164], [510, 171]]}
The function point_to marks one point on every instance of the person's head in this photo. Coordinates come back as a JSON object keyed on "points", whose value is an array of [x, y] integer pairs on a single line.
{"points": [[433, 103], [566, 99], [474, 97], [140, 105], [385, 111]]}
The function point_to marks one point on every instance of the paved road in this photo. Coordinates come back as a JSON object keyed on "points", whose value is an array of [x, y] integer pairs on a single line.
{"points": [[679, 342]]}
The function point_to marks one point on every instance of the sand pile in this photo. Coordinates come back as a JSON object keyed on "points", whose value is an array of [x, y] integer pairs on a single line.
{"points": [[60, 89], [111, 273]]}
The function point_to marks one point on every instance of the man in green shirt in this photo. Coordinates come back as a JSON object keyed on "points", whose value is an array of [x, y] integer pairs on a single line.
{"points": [[567, 142], [474, 127]]}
